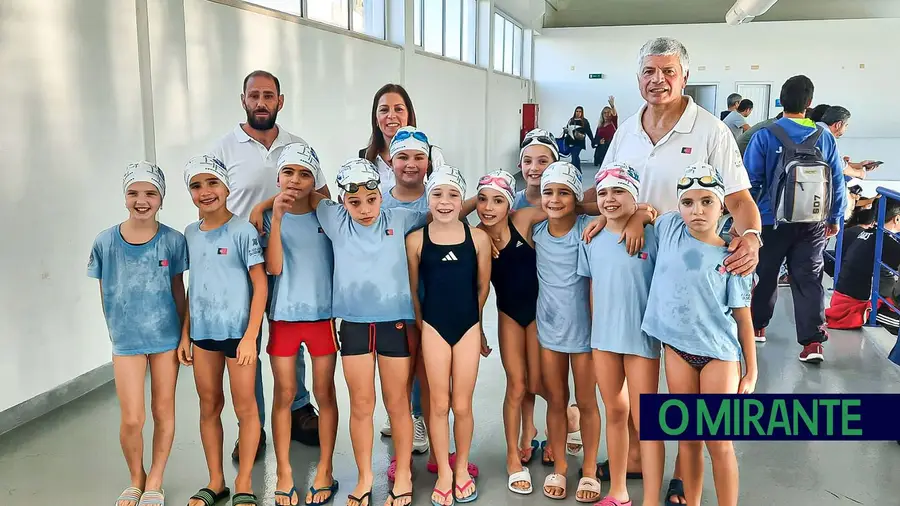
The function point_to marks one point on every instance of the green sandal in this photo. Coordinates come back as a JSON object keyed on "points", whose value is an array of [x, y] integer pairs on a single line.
{"points": [[243, 499], [210, 497]]}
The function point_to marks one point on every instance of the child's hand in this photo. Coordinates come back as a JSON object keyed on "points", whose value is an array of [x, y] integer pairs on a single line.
{"points": [[495, 253], [593, 228], [748, 384], [184, 352], [485, 348], [282, 203], [246, 351], [256, 219], [633, 235]]}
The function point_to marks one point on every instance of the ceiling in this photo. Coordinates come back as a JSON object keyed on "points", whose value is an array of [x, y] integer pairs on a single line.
{"points": [[573, 13]]}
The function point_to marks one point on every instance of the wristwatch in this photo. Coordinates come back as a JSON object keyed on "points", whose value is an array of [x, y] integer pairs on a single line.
{"points": [[757, 233]]}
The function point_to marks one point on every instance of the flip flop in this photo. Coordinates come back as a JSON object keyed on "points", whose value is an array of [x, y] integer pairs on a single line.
{"points": [[153, 498], [395, 497], [359, 500], [238, 499], [289, 494], [444, 495], [612, 501], [546, 463], [469, 498], [574, 438], [534, 447], [588, 485], [331, 488], [676, 487], [523, 475], [556, 481], [130, 494], [603, 473], [210, 497]]}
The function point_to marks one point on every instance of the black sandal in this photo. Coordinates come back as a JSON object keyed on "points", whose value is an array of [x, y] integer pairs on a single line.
{"points": [[210, 497], [676, 488], [400, 496], [359, 500], [603, 473], [243, 499]]}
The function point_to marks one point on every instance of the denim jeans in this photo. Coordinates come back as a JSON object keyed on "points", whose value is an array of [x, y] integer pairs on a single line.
{"points": [[301, 398]]}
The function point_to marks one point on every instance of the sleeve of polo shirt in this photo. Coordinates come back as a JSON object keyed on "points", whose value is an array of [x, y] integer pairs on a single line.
{"points": [[726, 157], [838, 186]]}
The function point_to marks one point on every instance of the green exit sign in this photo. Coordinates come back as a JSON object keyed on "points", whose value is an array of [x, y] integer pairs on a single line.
{"points": [[595, 76]]}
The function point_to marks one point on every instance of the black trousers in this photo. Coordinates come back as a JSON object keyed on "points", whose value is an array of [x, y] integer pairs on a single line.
{"points": [[802, 245]]}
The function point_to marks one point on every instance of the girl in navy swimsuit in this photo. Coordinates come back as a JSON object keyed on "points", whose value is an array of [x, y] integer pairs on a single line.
{"points": [[454, 262]]}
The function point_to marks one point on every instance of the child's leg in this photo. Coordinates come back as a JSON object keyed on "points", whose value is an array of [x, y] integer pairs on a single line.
{"points": [[163, 377], [209, 368], [359, 372], [326, 398], [512, 355], [535, 385], [586, 399], [394, 373], [419, 373], [243, 396], [555, 375], [609, 370], [642, 375], [683, 378], [464, 371], [438, 360], [284, 371], [130, 373], [719, 377]]}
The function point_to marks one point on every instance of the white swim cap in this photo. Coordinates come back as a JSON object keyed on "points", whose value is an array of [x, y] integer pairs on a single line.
{"points": [[303, 155], [448, 175], [409, 138], [206, 164], [437, 156], [358, 172], [542, 138], [619, 175], [144, 172], [499, 180], [702, 176], [563, 173]]}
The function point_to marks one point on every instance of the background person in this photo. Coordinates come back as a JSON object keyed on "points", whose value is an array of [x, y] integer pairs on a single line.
{"points": [[577, 129], [606, 129]]}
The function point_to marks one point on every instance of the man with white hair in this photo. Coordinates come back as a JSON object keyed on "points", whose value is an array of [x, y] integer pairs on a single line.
{"points": [[667, 134]]}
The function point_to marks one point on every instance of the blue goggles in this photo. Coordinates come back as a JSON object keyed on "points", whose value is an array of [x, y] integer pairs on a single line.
{"points": [[405, 134]]}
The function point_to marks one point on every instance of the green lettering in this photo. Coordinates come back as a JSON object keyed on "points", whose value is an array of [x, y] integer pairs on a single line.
{"points": [[737, 419], [752, 418], [684, 417], [830, 404], [847, 417], [812, 424], [705, 420], [778, 418]]}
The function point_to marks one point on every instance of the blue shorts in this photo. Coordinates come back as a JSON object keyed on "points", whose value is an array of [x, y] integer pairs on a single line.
{"points": [[228, 346]]}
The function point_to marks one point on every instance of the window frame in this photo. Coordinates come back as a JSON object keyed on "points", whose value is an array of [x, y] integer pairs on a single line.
{"points": [[498, 67], [422, 31], [303, 17]]}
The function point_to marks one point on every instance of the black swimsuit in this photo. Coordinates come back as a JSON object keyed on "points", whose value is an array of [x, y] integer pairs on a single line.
{"points": [[450, 276], [514, 275]]}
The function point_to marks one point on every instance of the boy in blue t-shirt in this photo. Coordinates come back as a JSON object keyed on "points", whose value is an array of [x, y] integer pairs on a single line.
{"points": [[139, 264], [226, 299]]}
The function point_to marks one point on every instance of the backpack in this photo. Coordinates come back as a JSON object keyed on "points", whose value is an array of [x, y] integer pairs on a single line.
{"points": [[800, 191]]}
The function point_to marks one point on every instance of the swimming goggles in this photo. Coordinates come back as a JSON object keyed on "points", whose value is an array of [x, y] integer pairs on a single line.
{"points": [[495, 180], [618, 173], [704, 181], [540, 139], [402, 135], [354, 187]]}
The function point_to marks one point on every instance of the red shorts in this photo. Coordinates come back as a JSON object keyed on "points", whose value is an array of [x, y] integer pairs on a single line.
{"points": [[285, 338]]}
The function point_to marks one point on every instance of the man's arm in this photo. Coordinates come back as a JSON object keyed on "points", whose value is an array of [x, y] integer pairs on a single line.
{"points": [[838, 187]]}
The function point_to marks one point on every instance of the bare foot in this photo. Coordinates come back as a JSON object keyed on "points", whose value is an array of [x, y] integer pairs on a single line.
{"points": [[443, 490], [525, 448], [574, 422], [323, 480], [362, 493], [216, 487]]}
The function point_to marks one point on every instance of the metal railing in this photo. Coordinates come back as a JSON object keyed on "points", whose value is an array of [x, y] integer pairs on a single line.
{"points": [[879, 265], [838, 248]]}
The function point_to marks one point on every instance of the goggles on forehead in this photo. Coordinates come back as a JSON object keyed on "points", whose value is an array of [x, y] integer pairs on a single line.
{"points": [[495, 180], [542, 139], [406, 134], [615, 172], [355, 187], [704, 181]]}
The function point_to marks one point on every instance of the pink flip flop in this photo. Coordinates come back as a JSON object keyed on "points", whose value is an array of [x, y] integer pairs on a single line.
{"points": [[611, 501], [472, 468]]}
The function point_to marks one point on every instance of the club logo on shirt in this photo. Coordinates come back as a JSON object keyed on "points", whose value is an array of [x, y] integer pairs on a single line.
{"points": [[643, 255], [685, 151], [389, 231], [223, 251], [721, 269], [163, 263]]}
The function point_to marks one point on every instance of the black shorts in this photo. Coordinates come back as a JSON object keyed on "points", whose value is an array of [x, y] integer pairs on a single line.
{"points": [[228, 346], [387, 339]]}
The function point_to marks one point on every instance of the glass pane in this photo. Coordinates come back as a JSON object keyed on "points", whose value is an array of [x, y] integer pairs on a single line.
{"points": [[517, 51], [434, 26], [508, 47], [498, 42], [452, 28], [333, 12], [368, 17], [289, 6], [417, 19], [470, 9]]}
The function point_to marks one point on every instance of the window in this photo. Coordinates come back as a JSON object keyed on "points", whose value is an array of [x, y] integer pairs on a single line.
{"points": [[333, 12], [433, 26], [288, 6], [508, 39], [446, 27], [417, 19], [361, 16], [368, 17], [453, 29], [469, 17]]}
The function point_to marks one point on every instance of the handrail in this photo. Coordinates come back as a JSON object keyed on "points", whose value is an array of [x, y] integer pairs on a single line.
{"points": [[878, 264]]}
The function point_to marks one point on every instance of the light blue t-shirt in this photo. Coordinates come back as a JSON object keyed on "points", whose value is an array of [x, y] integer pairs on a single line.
{"points": [[520, 201], [389, 202], [371, 275], [136, 279], [563, 305], [621, 285], [219, 288], [692, 294], [302, 292]]}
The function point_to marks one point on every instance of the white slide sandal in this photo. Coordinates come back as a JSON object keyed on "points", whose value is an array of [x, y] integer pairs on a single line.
{"points": [[574, 439], [555, 481], [523, 475], [588, 485]]}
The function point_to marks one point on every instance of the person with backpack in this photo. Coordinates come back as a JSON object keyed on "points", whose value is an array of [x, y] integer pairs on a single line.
{"points": [[796, 178]]}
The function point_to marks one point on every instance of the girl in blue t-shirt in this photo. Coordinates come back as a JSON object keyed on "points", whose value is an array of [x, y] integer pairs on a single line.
{"points": [[564, 327], [701, 313], [140, 264], [227, 293]]}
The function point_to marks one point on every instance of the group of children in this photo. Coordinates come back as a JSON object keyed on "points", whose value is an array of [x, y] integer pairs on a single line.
{"points": [[386, 264]]}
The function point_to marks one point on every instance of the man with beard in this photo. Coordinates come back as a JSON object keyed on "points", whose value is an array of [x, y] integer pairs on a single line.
{"points": [[250, 153]]}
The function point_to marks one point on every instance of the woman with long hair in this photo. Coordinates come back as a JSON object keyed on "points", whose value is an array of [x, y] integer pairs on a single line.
{"points": [[577, 129], [392, 109], [609, 123]]}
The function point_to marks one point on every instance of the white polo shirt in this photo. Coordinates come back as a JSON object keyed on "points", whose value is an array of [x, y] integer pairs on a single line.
{"points": [[252, 169], [385, 174], [698, 137]]}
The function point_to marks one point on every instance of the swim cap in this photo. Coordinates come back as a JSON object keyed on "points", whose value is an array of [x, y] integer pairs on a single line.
{"points": [[501, 181], [542, 138], [437, 156], [409, 138], [702, 176], [303, 155], [619, 175], [563, 173], [206, 164], [144, 172], [448, 175], [359, 172]]}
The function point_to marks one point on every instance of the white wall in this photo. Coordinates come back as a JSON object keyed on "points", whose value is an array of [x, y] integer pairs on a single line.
{"points": [[94, 92], [830, 55]]}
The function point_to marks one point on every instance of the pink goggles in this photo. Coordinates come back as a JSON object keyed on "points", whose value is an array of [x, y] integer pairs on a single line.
{"points": [[616, 172], [498, 181]]}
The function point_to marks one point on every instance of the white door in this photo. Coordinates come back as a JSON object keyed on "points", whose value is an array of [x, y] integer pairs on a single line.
{"points": [[704, 95], [759, 94]]}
